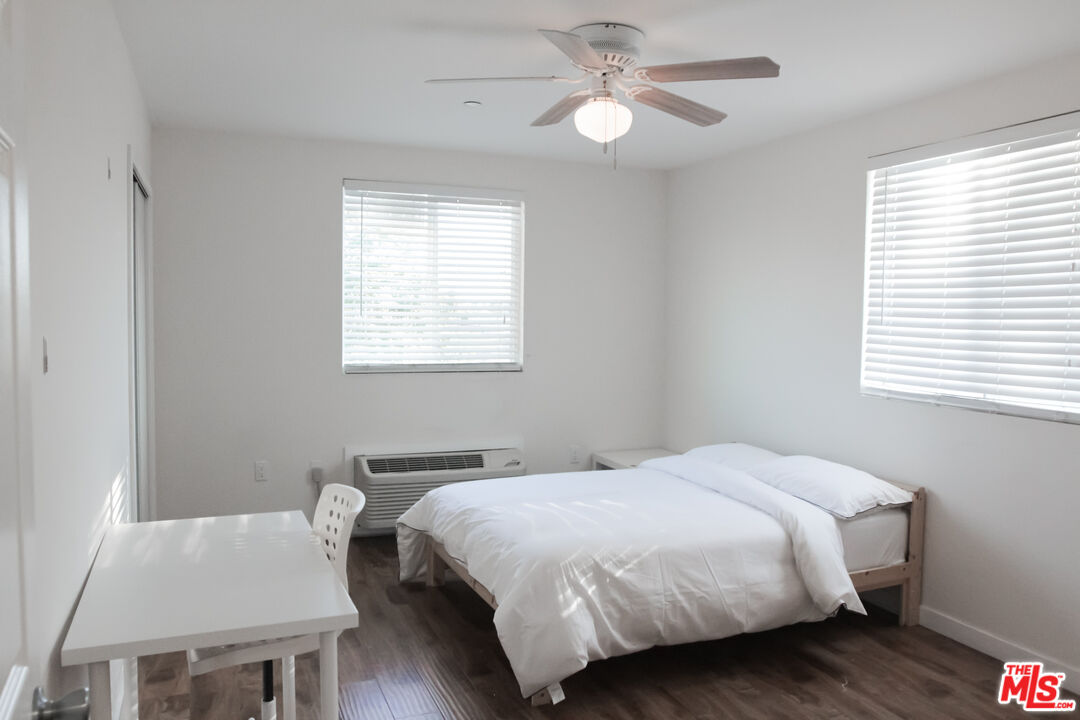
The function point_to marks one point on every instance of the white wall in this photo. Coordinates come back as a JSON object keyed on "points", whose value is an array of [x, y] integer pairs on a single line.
{"points": [[83, 110], [247, 272], [764, 310]]}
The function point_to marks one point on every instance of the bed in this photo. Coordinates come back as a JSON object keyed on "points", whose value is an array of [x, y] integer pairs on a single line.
{"points": [[588, 565]]}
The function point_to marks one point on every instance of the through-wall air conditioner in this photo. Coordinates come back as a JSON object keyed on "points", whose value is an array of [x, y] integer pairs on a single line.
{"points": [[392, 483]]}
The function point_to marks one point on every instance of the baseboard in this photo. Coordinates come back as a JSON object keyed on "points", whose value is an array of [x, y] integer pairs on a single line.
{"points": [[993, 645]]}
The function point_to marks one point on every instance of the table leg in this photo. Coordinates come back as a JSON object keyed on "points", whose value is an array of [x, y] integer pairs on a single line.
{"points": [[328, 675], [100, 691], [288, 687]]}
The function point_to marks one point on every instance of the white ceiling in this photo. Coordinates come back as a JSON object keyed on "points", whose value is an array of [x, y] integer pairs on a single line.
{"points": [[354, 69]]}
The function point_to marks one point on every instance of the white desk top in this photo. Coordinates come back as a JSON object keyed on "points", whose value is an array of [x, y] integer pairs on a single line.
{"points": [[177, 584]]}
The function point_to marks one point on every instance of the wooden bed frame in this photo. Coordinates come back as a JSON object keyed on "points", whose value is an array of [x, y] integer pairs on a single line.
{"points": [[908, 575]]}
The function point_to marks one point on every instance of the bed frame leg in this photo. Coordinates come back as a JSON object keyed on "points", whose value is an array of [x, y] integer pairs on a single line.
{"points": [[552, 694], [436, 566], [911, 589], [910, 600]]}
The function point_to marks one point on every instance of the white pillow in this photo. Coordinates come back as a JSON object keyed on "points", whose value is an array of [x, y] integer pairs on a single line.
{"points": [[839, 489], [735, 455]]}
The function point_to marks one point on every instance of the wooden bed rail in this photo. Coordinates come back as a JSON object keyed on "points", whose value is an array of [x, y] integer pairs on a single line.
{"points": [[438, 560]]}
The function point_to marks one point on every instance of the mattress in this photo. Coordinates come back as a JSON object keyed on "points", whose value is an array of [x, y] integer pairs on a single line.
{"points": [[874, 540]]}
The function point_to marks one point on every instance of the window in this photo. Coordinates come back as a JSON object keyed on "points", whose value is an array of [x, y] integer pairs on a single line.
{"points": [[431, 278], [972, 293]]}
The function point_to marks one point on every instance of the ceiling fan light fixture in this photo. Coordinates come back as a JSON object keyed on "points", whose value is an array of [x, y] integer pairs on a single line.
{"points": [[603, 119]]}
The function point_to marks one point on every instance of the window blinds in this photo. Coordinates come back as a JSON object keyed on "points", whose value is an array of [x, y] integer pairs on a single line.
{"points": [[431, 279], [972, 282]]}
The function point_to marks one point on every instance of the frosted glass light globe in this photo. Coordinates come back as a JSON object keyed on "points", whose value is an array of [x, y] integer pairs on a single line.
{"points": [[603, 119]]}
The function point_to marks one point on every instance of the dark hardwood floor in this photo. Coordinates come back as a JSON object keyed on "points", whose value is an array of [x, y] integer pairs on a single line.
{"points": [[425, 654]]}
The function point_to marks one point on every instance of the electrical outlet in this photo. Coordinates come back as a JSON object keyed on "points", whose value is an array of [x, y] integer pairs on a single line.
{"points": [[262, 471], [576, 453]]}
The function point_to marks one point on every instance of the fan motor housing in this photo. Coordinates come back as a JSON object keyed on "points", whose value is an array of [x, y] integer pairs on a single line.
{"points": [[619, 45]]}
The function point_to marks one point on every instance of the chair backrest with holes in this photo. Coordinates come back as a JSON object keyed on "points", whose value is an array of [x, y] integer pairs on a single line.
{"points": [[335, 515]]}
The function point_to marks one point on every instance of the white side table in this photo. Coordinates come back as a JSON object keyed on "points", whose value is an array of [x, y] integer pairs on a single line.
{"points": [[622, 459]]}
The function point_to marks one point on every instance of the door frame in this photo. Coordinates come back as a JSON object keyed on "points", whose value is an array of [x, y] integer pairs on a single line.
{"points": [[140, 346], [17, 686]]}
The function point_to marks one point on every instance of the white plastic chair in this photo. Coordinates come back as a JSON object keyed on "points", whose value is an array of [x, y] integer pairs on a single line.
{"points": [[335, 515]]}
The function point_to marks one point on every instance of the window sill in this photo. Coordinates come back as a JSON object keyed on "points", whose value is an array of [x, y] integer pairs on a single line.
{"points": [[460, 368]]}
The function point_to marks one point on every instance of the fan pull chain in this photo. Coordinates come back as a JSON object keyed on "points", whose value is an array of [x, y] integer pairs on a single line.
{"points": [[607, 124]]}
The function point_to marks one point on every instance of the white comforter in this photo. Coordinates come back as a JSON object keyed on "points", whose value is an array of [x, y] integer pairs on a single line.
{"points": [[595, 564]]}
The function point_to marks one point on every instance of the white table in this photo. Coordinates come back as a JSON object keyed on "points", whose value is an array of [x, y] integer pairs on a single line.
{"points": [[167, 586], [622, 459]]}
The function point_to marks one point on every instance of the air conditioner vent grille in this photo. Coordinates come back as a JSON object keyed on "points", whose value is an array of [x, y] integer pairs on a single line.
{"points": [[393, 483], [424, 463]]}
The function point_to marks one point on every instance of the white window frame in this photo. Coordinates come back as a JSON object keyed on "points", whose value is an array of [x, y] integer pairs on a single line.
{"points": [[444, 191], [1022, 131]]}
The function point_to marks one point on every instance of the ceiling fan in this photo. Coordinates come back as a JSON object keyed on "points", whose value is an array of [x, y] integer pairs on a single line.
{"points": [[607, 54]]}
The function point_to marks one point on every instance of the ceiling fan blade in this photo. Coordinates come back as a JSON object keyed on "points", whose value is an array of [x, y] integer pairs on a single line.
{"points": [[732, 69], [531, 78], [675, 105], [575, 47], [564, 107]]}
